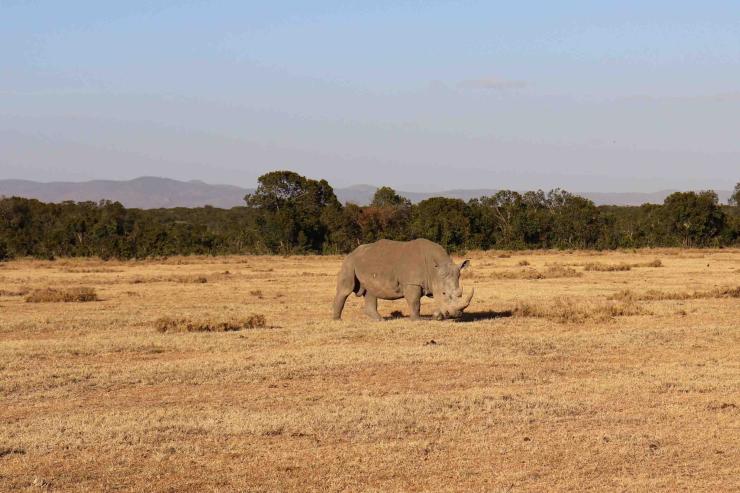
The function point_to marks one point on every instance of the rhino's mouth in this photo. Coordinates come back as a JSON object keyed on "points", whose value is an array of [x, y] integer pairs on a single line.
{"points": [[455, 308]]}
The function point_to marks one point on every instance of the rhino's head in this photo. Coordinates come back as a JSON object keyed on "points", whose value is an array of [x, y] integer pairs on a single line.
{"points": [[447, 290]]}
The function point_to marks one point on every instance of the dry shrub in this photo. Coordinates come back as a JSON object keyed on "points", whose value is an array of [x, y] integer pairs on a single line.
{"points": [[559, 271], [597, 267], [19, 292], [656, 295], [65, 295], [568, 310], [504, 255], [192, 279], [186, 279], [524, 263], [90, 270], [184, 324], [257, 293]]}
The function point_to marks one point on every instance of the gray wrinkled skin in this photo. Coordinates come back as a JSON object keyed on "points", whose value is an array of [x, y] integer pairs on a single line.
{"points": [[391, 270]]}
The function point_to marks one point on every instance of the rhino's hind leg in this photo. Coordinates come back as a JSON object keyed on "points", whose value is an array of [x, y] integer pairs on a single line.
{"points": [[346, 284], [339, 300], [371, 307], [413, 298]]}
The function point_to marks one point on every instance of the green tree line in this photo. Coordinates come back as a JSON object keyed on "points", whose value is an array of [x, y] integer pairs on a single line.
{"points": [[289, 213]]}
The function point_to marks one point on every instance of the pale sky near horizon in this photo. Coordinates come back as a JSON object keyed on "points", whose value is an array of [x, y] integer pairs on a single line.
{"points": [[423, 96]]}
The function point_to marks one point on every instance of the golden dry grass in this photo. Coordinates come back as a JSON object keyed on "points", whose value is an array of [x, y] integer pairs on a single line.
{"points": [[585, 382]]}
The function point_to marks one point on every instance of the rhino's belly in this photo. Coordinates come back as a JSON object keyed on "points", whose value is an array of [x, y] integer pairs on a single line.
{"points": [[385, 289]]}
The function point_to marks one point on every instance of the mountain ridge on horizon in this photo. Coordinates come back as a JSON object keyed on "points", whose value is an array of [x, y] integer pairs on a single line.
{"points": [[151, 192]]}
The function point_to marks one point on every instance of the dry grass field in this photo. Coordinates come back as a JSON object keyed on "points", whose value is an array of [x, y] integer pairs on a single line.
{"points": [[570, 371]]}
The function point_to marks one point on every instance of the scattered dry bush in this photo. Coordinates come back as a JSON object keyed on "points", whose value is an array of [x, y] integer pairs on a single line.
{"points": [[652, 263], [65, 295], [184, 324], [656, 295], [257, 293], [569, 310], [524, 263]]}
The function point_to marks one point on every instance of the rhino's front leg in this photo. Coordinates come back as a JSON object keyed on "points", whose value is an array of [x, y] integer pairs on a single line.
{"points": [[413, 298], [371, 307]]}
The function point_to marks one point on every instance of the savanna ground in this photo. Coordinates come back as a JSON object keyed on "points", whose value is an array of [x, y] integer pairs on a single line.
{"points": [[571, 371]]}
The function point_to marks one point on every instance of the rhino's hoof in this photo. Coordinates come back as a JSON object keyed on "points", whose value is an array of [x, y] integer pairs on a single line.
{"points": [[438, 316]]}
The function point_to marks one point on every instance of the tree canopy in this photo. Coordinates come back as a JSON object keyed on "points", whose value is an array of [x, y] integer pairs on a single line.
{"points": [[289, 213]]}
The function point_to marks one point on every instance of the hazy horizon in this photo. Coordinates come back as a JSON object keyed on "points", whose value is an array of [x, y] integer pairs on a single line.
{"points": [[362, 185], [420, 97]]}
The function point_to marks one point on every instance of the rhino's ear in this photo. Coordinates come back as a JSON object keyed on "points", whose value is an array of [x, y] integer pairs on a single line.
{"points": [[466, 263]]}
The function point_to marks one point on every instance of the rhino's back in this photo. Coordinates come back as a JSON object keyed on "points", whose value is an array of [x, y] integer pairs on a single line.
{"points": [[387, 253]]}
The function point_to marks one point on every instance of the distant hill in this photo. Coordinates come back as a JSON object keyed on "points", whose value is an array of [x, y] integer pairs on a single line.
{"points": [[146, 192], [151, 192]]}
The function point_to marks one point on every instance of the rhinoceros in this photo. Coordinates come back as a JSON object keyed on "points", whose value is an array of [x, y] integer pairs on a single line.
{"points": [[391, 270]]}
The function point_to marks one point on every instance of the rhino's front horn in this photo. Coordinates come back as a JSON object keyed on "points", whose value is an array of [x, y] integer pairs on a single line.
{"points": [[463, 303]]}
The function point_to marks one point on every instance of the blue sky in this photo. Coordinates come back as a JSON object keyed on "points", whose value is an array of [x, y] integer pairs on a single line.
{"points": [[587, 96]]}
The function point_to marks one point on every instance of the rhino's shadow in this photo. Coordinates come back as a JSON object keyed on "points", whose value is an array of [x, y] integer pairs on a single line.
{"points": [[484, 315], [466, 316]]}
